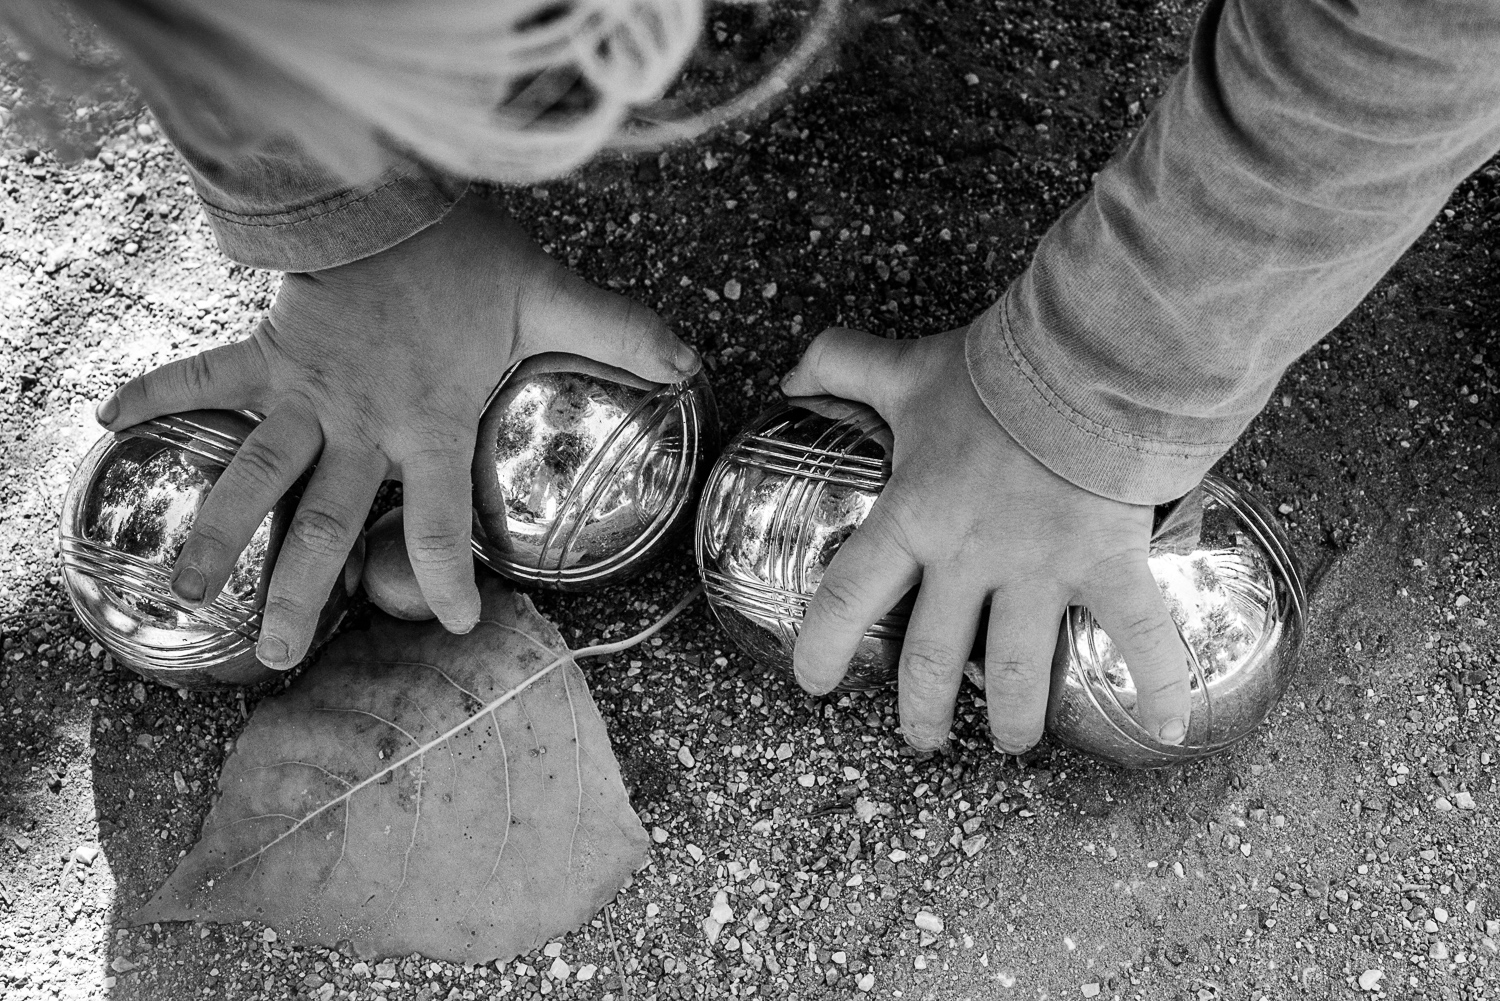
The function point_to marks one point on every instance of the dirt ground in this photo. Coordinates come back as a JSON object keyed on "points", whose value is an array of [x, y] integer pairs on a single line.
{"points": [[1354, 833]]}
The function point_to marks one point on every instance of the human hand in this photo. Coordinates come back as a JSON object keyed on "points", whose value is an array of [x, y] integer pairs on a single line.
{"points": [[380, 369], [976, 519]]}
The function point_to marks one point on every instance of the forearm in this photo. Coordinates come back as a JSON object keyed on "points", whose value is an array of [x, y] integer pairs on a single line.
{"points": [[1301, 151]]}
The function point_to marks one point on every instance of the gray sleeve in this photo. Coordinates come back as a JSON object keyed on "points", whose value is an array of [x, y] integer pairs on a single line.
{"points": [[1303, 148], [273, 206]]}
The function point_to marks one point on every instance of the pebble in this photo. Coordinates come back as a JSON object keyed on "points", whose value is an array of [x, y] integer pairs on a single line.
{"points": [[732, 290], [1370, 979], [929, 922], [658, 835], [1441, 805], [865, 983], [685, 756], [1464, 800], [560, 970], [1090, 990], [586, 971], [86, 854]]}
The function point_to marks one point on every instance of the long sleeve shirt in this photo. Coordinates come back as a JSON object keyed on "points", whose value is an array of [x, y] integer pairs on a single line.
{"points": [[1303, 148]]}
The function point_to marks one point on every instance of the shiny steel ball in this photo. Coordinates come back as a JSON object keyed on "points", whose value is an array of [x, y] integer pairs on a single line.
{"points": [[127, 513], [795, 484], [583, 473]]}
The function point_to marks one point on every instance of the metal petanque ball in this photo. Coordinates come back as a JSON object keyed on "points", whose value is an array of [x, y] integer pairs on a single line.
{"points": [[794, 485], [584, 472], [126, 514]]}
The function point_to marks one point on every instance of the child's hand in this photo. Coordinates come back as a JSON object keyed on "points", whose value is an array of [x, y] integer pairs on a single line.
{"points": [[976, 519], [379, 369]]}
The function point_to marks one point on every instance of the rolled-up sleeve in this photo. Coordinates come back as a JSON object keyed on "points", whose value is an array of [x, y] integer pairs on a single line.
{"points": [[272, 205], [1303, 148]]}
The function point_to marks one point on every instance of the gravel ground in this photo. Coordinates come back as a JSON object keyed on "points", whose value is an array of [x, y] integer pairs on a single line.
{"points": [[801, 851]]}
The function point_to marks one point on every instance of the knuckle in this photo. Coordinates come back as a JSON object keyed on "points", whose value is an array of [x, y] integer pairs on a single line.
{"points": [[261, 463], [1008, 675], [438, 550], [835, 601], [321, 533], [929, 664], [195, 375]]}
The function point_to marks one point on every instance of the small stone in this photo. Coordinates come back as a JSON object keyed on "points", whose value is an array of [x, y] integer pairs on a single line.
{"points": [[1090, 990], [865, 983], [920, 963], [695, 853], [1370, 979], [732, 290], [386, 970], [721, 911], [659, 835], [685, 756], [560, 970], [1286, 509], [711, 930], [1464, 800], [929, 922], [586, 971], [1461, 601], [1439, 951], [132, 248], [360, 969], [1441, 805], [865, 810], [121, 965], [268, 935], [552, 950], [769, 292], [973, 846], [806, 781], [86, 854]]}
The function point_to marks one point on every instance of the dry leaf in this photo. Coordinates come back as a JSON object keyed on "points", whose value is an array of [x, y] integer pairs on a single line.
{"points": [[345, 812]]}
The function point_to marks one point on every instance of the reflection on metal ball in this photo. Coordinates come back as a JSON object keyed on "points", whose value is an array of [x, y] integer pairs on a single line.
{"points": [[794, 485], [126, 514], [583, 472]]}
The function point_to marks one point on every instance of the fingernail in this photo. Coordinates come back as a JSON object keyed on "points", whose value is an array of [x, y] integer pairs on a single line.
{"points": [[461, 627], [686, 360], [272, 652], [786, 379], [1173, 731], [188, 585], [108, 411]]}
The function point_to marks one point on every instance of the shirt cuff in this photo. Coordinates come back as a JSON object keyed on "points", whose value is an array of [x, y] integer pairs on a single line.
{"points": [[1103, 460], [347, 226]]}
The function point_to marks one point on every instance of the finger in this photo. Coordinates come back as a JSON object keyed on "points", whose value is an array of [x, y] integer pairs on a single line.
{"points": [[264, 468], [937, 644], [867, 576], [1018, 663], [853, 365], [328, 520], [1131, 610], [439, 525], [232, 377], [569, 314]]}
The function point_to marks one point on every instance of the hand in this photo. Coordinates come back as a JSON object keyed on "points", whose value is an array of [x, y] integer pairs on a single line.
{"points": [[378, 369], [975, 519]]}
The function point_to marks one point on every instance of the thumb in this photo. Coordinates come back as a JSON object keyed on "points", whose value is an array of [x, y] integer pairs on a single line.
{"points": [[852, 365], [571, 315]]}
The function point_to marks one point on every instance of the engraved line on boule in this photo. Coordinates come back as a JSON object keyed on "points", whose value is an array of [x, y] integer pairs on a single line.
{"points": [[579, 506], [111, 566], [604, 479], [597, 650]]}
